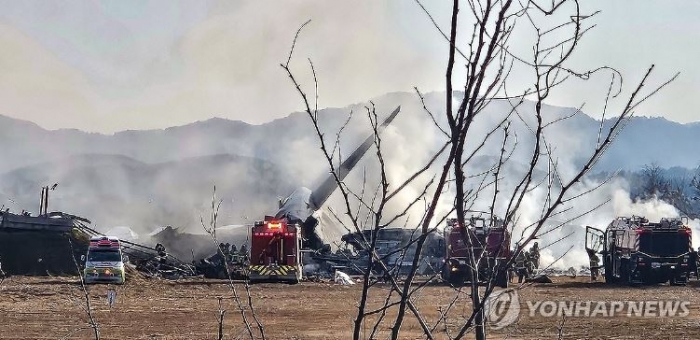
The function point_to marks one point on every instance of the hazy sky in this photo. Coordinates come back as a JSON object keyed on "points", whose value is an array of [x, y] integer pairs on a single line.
{"points": [[113, 65]]}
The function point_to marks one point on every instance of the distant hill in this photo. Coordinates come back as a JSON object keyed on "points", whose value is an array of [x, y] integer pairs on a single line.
{"points": [[649, 140], [643, 141], [158, 177]]}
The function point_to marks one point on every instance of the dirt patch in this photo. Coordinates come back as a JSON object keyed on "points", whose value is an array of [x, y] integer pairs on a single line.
{"points": [[41, 308]]}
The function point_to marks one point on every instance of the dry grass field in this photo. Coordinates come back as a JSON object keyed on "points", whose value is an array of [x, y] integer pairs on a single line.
{"points": [[52, 308]]}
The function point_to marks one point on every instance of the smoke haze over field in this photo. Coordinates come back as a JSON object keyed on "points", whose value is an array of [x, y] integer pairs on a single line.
{"points": [[146, 179]]}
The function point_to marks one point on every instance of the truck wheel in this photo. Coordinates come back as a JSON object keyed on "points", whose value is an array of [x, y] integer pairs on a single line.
{"points": [[467, 275], [625, 273], [456, 279], [609, 278], [677, 282], [445, 273]]}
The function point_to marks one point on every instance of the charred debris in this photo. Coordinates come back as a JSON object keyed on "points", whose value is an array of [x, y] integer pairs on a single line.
{"points": [[279, 248], [51, 244]]}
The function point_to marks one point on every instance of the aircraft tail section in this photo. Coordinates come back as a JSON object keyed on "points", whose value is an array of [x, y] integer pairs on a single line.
{"points": [[324, 191]]}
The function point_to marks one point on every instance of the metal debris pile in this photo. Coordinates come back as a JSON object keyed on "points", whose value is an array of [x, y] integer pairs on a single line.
{"points": [[52, 243], [42, 245]]}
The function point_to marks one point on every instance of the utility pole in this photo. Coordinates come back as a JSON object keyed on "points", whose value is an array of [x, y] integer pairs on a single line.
{"points": [[44, 203]]}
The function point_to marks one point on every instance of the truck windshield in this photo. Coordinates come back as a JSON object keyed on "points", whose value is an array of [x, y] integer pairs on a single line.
{"points": [[664, 243], [103, 256]]}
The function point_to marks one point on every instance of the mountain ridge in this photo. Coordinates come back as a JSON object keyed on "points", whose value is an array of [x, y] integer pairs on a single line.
{"points": [[5, 118], [106, 177]]}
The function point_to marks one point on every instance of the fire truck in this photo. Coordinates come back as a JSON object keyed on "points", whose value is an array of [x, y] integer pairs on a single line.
{"points": [[483, 244], [636, 251], [275, 251]]}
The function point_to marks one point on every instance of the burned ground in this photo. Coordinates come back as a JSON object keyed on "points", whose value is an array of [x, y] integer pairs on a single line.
{"points": [[50, 308]]}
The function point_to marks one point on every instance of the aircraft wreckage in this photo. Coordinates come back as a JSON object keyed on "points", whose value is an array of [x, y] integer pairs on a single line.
{"points": [[54, 244], [51, 242]]}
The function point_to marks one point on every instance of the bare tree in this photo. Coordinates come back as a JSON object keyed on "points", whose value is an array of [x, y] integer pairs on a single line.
{"points": [[210, 228], [556, 29], [654, 182], [88, 303], [489, 61], [3, 276], [695, 182]]}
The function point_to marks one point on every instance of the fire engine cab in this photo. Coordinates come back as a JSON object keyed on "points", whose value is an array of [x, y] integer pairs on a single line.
{"points": [[481, 251], [275, 251]]}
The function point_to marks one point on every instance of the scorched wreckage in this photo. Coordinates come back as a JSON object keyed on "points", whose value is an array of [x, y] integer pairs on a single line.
{"points": [[275, 244], [293, 243]]}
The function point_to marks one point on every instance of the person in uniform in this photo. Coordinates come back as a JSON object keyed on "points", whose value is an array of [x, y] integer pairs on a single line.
{"points": [[696, 263], [160, 249], [535, 256], [162, 256], [594, 264], [521, 266], [233, 256], [227, 253]]}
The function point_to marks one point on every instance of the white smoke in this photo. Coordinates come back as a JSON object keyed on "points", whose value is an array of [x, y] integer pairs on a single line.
{"points": [[122, 194], [412, 140], [654, 209], [570, 252]]}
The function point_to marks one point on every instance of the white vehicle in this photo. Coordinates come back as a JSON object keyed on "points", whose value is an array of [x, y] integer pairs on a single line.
{"points": [[104, 261]]}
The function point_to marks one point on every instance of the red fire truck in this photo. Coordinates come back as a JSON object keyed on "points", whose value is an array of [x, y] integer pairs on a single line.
{"points": [[490, 250], [275, 251]]}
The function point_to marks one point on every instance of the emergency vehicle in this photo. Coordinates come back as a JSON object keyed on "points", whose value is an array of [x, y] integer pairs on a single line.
{"points": [[482, 245], [275, 251], [104, 262], [638, 251]]}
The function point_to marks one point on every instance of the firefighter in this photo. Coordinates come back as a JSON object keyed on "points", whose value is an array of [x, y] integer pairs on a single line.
{"points": [[594, 264], [162, 256], [221, 255], [227, 253], [521, 266], [697, 263], [694, 260], [535, 256], [233, 254], [160, 249]]}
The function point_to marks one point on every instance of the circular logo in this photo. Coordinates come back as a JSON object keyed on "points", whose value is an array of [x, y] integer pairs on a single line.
{"points": [[502, 308]]}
